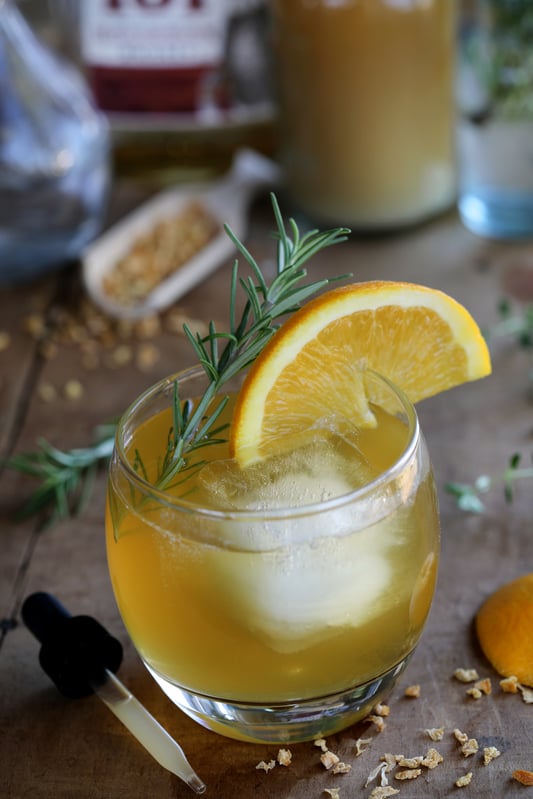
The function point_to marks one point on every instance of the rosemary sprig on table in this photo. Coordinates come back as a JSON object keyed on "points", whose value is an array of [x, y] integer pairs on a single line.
{"points": [[66, 477], [468, 496], [517, 325]]}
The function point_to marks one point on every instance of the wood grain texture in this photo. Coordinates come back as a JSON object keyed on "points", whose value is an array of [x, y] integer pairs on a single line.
{"points": [[52, 748]]}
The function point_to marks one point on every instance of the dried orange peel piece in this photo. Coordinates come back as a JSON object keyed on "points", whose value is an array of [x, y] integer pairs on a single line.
{"points": [[504, 626], [420, 338]]}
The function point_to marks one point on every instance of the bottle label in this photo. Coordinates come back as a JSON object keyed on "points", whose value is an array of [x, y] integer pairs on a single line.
{"points": [[153, 55], [153, 33]]}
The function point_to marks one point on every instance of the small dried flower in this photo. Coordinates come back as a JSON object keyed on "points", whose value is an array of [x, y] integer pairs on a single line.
{"points": [[410, 762], [432, 759], [466, 675], [378, 771], [490, 753], [510, 685], [341, 768], [391, 760], [470, 747], [361, 745], [383, 792], [329, 759], [527, 694], [377, 721], [264, 766], [465, 780], [462, 737], [435, 733], [408, 774], [333, 793], [284, 757], [485, 686]]}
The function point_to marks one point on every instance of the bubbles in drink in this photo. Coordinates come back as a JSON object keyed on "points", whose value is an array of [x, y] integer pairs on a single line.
{"points": [[311, 468]]}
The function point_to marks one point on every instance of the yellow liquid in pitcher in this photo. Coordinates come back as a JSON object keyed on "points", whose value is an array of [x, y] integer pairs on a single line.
{"points": [[225, 609], [367, 109]]}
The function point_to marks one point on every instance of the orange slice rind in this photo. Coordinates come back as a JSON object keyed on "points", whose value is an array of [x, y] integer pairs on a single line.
{"points": [[504, 626]]}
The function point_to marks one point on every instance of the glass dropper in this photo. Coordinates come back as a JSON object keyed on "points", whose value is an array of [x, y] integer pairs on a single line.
{"points": [[81, 658]]}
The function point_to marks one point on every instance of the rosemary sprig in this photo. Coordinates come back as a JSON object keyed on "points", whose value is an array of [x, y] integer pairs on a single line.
{"points": [[225, 354], [468, 496], [518, 326], [66, 476]]}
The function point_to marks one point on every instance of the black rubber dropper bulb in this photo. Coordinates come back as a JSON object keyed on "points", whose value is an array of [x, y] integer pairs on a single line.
{"points": [[75, 650]]}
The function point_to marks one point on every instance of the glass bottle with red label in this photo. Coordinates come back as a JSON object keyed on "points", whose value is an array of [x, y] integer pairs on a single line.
{"points": [[183, 82]]}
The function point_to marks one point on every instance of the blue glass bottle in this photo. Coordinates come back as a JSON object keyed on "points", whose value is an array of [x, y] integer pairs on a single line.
{"points": [[495, 126]]}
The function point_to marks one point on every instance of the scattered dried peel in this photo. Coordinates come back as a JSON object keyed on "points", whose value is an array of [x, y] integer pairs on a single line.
{"points": [[490, 753], [482, 687], [466, 675], [383, 792], [284, 757], [432, 759], [264, 766], [523, 777], [510, 685], [329, 759], [435, 733], [361, 745], [462, 737], [465, 780], [377, 721], [341, 768], [470, 747], [408, 774]]}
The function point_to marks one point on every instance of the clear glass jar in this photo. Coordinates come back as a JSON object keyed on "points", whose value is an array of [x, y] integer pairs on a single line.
{"points": [[367, 108], [495, 132], [54, 155]]}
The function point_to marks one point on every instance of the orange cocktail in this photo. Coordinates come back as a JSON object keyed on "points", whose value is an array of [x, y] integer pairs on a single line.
{"points": [[301, 581]]}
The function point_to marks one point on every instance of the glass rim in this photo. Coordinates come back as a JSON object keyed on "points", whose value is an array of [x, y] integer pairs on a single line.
{"points": [[356, 495]]}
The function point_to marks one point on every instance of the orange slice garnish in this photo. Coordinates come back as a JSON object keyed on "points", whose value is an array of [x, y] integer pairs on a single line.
{"points": [[420, 338]]}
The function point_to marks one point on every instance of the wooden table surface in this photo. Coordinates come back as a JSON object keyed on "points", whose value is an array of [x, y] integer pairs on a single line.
{"points": [[54, 748]]}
